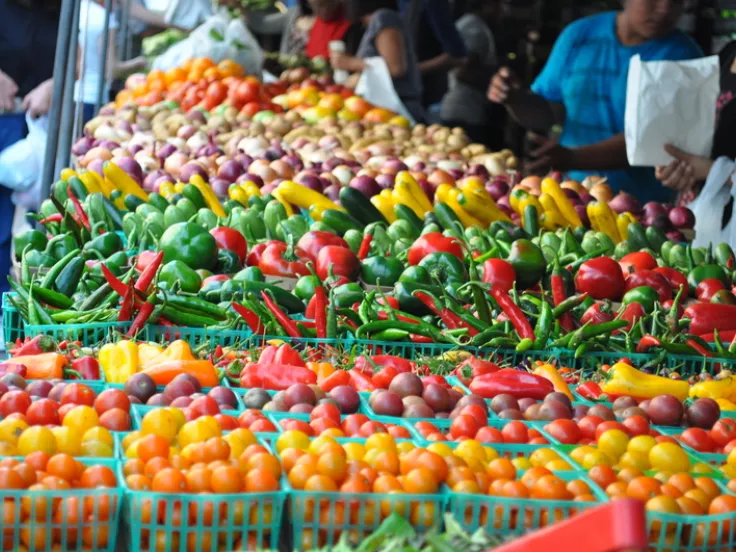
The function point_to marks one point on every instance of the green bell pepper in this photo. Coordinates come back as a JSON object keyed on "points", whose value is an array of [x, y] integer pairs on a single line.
{"points": [[408, 303], [415, 275], [353, 238], [187, 207], [47, 208], [192, 194], [677, 257], [621, 250], [294, 227], [206, 219], [251, 222], [228, 262], [173, 214], [723, 254], [250, 274], [528, 262], [305, 287], [401, 229], [444, 267], [105, 244], [59, 246], [380, 270], [39, 259], [189, 243], [177, 271], [346, 295], [36, 239], [273, 214], [646, 296]]}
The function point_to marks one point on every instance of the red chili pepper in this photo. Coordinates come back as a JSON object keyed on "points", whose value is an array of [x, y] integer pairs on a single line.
{"points": [[352, 325], [474, 367], [83, 218], [632, 313], [276, 377], [706, 317], [383, 376], [87, 366], [126, 309], [35, 346], [365, 246], [699, 348], [451, 320], [149, 273], [557, 283], [143, 315], [414, 338], [115, 283], [516, 383], [285, 354], [251, 318], [309, 313], [165, 322], [56, 217], [360, 381], [516, 316], [335, 379], [366, 364], [646, 343], [281, 317], [320, 311], [10, 367], [383, 315], [590, 390]]}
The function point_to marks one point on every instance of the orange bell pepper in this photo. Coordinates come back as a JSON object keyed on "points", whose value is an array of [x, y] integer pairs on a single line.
{"points": [[164, 372], [43, 366], [322, 369]]}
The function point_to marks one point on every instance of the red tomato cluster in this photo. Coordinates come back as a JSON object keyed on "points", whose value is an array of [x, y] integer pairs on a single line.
{"points": [[589, 428], [721, 439], [326, 420]]}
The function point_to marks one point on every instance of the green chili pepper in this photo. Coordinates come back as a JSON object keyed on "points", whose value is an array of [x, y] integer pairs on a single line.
{"points": [[543, 328]]}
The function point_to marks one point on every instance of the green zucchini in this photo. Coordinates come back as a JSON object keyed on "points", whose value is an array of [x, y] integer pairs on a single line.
{"points": [[341, 221], [359, 207], [67, 282], [448, 219], [403, 212], [531, 224], [132, 202]]}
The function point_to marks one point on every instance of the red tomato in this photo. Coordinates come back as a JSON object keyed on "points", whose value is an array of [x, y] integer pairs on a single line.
{"points": [[296, 425], [370, 427], [319, 425], [477, 412], [433, 242], [340, 260], [699, 439], [707, 289], [112, 398], [326, 410], [489, 435], [499, 273], [601, 278], [230, 240], [262, 425], [227, 422], [634, 262], [566, 432], [723, 431], [247, 91], [43, 412], [14, 401], [204, 406], [637, 425], [588, 425], [313, 242], [383, 377], [64, 408], [515, 432], [464, 425], [351, 424], [77, 393], [249, 416], [115, 419]]}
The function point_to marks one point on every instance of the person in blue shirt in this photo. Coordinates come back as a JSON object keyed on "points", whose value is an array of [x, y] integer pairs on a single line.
{"points": [[582, 88]]}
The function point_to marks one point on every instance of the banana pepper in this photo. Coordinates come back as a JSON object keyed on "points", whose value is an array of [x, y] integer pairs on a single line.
{"points": [[622, 223], [209, 196], [403, 177], [303, 197], [147, 352], [602, 217], [92, 182], [627, 380], [452, 198], [552, 187], [479, 203], [715, 389], [402, 194], [385, 205], [549, 372], [725, 404], [122, 181], [119, 361]]}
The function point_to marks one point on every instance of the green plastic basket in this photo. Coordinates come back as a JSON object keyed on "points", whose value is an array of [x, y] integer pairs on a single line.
{"points": [[318, 519], [502, 516], [12, 321], [689, 365], [80, 519], [88, 334], [165, 334]]}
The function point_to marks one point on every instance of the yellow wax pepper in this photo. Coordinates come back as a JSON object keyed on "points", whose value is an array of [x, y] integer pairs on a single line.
{"points": [[549, 372], [627, 380], [402, 195], [622, 223], [303, 197], [552, 187], [119, 361], [479, 203], [236, 193], [385, 206], [147, 352], [715, 389], [177, 350], [209, 196], [725, 404], [403, 177], [67, 173], [122, 181]]}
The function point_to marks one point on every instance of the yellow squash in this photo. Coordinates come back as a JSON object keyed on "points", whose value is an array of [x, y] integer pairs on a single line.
{"points": [[122, 181], [209, 196], [627, 380], [552, 187]]}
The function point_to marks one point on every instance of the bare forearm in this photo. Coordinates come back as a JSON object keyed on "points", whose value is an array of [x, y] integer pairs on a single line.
{"points": [[444, 62], [607, 155]]}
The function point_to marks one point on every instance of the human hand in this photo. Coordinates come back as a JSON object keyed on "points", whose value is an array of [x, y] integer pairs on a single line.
{"points": [[700, 164], [550, 155], [502, 84], [678, 175], [8, 90], [38, 101], [341, 60]]}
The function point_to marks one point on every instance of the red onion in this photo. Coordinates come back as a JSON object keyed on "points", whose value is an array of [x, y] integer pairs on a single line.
{"points": [[311, 181], [393, 166], [583, 214], [365, 184], [682, 217], [676, 236], [386, 181], [230, 170], [131, 166], [295, 161], [160, 180], [255, 178], [497, 189], [624, 202], [332, 192], [273, 153], [96, 165], [197, 116], [244, 159], [267, 189], [479, 170], [82, 146], [427, 188], [419, 166], [135, 148], [571, 194], [210, 149], [220, 186], [108, 144], [457, 174], [586, 198], [186, 132], [190, 169], [164, 151], [653, 208], [503, 201], [151, 178], [331, 163]]}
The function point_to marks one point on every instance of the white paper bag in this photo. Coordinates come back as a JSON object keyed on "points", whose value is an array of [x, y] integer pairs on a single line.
{"points": [[377, 87], [708, 207], [670, 102]]}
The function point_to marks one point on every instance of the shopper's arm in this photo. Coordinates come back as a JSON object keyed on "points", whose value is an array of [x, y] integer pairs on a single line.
{"points": [[609, 154], [117, 68], [8, 90], [269, 23]]}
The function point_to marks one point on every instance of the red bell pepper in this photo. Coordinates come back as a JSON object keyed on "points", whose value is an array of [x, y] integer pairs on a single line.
{"points": [[601, 278], [87, 367], [592, 391], [707, 289], [675, 278], [474, 367], [433, 242], [335, 379], [277, 377], [654, 280], [383, 376], [285, 354], [517, 383], [268, 354], [706, 317], [726, 336], [361, 381], [366, 364], [35, 346]]}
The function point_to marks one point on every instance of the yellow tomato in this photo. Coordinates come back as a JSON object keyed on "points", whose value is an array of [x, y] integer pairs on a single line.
{"points": [[521, 463], [67, 440], [543, 456], [470, 448], [100, 434], [97, 449], [354, 451], [641, 443], [380, 441], [132, 450], [292, 439], [130, 438], [212, 424], [404, 446], [440, 448], [491, 453], [6, 449], [159, 421], [196, 431], [731, 457], [10, 430], [318, 442], [638, 460], [596, 458], [558, 465], [613, 442], [178, 415], [81, 418], [578, 453], [37, 438], [669, 457]]}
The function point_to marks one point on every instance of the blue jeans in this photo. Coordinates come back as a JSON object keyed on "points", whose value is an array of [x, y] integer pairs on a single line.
{"points": [[12, 129]]}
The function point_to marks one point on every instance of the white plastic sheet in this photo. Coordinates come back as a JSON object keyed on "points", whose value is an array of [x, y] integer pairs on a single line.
{"points": [[670, 102], [376, 86]]}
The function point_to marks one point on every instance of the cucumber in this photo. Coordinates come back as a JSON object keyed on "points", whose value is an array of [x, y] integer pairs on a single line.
{"points": [[531, 224], [448, 219], [403, 212], [637, 237], [132, 202], [192, 193], [284, 298], [656, 238], [341, 221], [157, 201], [359, 207], [67, 282]]}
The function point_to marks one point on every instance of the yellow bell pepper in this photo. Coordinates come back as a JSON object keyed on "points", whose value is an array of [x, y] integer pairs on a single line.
{"points": [[552, 187], [303, 197], [415, 190], [627, 380], [549, 372], [67, 173], [177, 350], [209, 196], [123, 181], [622, 223], [147, 352], [605, 219], [385, 206], [119, 361], [402, 195], [92, 182], [715, 389], [467, 220], [236, 193]]}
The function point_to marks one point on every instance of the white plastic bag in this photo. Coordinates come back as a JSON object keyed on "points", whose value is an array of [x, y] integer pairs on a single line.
{"points": [[21, 163], [708, 207], [187, 14], [376, 86], [670, 102]]}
